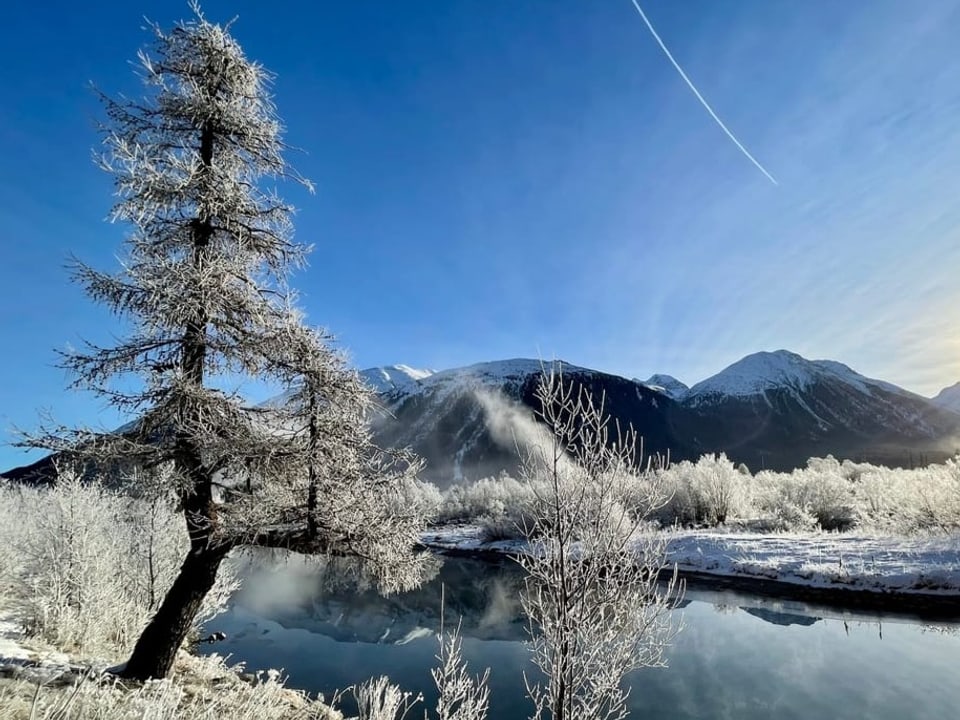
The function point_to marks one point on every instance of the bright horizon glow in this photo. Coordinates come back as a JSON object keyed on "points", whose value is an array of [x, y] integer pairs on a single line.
{"points": [[521, 182]]}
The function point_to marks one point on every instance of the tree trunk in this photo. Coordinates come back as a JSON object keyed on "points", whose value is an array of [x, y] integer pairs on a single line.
{"points": [[157, 647]]}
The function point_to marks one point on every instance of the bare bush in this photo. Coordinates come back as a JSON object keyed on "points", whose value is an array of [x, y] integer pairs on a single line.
{"points": [[86, 566], [460, 696], [592, 598]]}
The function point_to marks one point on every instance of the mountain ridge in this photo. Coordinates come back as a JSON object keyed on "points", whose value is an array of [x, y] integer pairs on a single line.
{"points": [[948, 398], [768, 409]]}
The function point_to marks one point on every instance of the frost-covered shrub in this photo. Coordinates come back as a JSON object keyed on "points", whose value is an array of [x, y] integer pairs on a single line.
{"points": [[815, 496], [423, 498], [502, 527], [682, 506], [460, 696], [780, 502], [830, 496], [487, 497], [886, 499], [708, 492], [854, 471], [86, 566], [938, 497], [719, 485], [839, 496], [826, 494]]}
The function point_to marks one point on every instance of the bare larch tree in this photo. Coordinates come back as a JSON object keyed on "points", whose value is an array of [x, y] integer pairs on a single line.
{"points": [[204, 296]]}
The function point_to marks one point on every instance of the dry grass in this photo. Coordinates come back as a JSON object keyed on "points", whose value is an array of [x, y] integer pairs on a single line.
{"points": [[199, 689]]}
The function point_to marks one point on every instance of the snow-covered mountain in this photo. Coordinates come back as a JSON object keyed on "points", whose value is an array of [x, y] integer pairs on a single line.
{"points": [[780, 370], [781, 406], [393, 377], [949, 398], [769, 409], [467, 422], [667, 384]]}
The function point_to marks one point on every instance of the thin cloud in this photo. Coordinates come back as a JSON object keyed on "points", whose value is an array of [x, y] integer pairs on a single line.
{"points": [[700, 97]]}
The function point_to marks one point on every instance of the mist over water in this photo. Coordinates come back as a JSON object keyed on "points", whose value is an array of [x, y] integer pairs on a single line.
{"points": [[739, 656]]}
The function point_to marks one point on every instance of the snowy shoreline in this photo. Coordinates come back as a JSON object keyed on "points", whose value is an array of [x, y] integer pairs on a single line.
{"points": [[900, 575]]}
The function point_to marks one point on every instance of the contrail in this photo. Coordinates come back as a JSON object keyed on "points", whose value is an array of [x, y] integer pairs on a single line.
{"points": [[700, 97]]}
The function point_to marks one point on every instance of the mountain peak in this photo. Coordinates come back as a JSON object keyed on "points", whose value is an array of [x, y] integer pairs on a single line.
{"points": [[513, 368], [782, 369], [393, 377], [667, 384], [949, 398], [760, 371]]}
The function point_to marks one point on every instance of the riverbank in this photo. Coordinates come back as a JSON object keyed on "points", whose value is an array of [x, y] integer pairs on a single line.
{"points": [[899, 575], [40, 682]]}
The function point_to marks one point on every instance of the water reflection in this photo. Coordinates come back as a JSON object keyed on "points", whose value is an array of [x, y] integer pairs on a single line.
{"points": [[739, 656], [780, 618]]}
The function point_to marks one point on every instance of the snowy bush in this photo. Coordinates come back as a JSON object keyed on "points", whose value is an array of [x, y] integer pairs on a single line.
{"points": [[487, 497], [840, 496], [460, 696], [719, 487], [874, 501], [826, 494], [938, 497], [829, 493], [85, 566], [708, 492], [417, 496], [502, 527], [683, 506]]}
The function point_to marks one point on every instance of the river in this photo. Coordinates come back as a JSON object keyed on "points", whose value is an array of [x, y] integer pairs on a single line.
{"points": [[739, 656]]}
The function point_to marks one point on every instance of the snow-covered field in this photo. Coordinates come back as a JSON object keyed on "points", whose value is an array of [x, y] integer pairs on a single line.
{"points": [[888, 564], [862, 562]]}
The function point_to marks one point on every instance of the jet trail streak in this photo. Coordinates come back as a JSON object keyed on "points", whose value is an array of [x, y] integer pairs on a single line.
{"points": [[700, 97]]}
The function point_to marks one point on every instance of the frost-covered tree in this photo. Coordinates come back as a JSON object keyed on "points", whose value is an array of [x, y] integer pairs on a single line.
{"points": [[592, 597], [204, 296]]}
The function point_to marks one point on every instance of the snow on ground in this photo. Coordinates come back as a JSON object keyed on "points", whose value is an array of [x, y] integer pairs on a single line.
{"points": [[22, 660], [861, 562], [467, 538], [200, 687], [10, 647], [916, 565]]}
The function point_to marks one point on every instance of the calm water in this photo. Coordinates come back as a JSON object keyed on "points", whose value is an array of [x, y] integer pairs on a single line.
{"points": [[739, 656]]}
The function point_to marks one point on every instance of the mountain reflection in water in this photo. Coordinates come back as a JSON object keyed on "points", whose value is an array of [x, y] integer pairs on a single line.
{"points": [[739, 656]]}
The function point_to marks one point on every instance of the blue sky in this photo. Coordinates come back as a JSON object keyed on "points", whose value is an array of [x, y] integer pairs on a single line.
{"points": [[530, 177]]}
